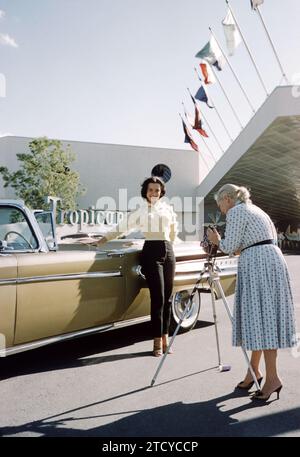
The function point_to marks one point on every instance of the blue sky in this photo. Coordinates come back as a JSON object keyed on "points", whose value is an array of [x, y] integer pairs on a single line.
{"points": [[116, 71]]}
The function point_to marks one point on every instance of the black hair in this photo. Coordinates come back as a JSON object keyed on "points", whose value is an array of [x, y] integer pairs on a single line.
{"points": [[154, 180]]}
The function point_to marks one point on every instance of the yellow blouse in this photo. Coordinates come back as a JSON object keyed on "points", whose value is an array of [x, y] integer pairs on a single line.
{"points": [[156, 222]]}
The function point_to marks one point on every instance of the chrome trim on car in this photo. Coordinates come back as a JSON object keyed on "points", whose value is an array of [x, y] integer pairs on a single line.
{"points": [[138, 271], [69, 336], [115, 254], [5, 282], [195, 275], [90, 275]]}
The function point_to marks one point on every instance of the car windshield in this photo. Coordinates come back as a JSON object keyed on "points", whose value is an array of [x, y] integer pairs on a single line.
{"points": [[15, 232]]}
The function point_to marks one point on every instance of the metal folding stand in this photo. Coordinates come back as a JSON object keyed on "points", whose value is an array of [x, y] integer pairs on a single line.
{"points": [[211, 270]]}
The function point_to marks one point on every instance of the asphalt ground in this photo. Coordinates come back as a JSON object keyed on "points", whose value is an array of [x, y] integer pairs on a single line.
{"points": [[99, 386]]}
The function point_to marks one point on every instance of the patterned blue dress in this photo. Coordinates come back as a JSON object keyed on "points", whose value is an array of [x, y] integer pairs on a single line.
{"points": [[263, 316]]}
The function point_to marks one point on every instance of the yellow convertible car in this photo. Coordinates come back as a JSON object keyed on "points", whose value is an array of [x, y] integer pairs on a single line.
{"points": [[50, 293]]}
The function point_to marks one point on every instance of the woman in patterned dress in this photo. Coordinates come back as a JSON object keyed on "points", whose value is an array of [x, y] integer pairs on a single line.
{"points": [[263, 318]]}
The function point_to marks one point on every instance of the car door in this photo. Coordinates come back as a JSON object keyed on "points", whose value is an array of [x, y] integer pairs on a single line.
{"points": [[67, 291], [14, 237], [8, 288]]}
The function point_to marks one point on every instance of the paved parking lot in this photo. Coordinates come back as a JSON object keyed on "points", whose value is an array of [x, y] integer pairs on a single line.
{"points": [[99, 386]]}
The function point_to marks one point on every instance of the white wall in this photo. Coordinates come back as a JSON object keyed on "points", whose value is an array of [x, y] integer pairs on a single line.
{"points": [[106, 168]]}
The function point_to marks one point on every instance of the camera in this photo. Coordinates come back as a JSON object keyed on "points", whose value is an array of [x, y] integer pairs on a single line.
{"points": [[209, 248]]}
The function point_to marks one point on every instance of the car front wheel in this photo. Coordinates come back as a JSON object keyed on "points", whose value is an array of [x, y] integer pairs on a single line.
{"points": [[179, 301]]}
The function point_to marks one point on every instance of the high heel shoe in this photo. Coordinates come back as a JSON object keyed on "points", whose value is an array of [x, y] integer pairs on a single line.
{"points": [[165, 344], [157, 347], [249, 385], [260, 396]]}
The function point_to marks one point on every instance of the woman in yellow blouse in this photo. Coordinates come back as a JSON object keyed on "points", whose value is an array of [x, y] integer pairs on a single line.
{"points": [[158, 223]]}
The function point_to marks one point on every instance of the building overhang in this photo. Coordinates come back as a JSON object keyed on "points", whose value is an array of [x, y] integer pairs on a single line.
{"points": [[265, 157]]}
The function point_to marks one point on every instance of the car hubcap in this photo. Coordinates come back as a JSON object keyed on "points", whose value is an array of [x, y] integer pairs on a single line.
{"points": [[179, 303]]}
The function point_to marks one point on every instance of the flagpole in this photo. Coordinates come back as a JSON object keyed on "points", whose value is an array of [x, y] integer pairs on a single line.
{"points": [[206, 145], [202, 138], [227, 98], [213, 134], [233, 72], [247, 47], [209, 129], [210, 151], [218, 114], [272, 45]]}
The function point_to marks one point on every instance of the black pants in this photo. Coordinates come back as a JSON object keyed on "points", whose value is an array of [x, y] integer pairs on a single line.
{"points": [[158, 263]]}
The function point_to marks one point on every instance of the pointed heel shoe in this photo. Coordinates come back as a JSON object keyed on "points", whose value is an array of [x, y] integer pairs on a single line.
{"points": [[260, 396], [249, 385]]}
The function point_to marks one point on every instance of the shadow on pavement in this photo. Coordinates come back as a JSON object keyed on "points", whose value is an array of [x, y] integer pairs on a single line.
{"points": [[203, 419], [69, 354]]}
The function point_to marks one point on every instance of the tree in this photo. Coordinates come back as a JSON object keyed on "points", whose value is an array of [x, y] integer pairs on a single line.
{"points": [[45, 171]]}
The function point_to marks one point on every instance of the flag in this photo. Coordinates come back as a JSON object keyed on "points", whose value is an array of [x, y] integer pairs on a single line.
{"points": [[201, 95], [212, 54], [232, 34], [197, 124], [188, 137], [256, 3], [209, 77]]}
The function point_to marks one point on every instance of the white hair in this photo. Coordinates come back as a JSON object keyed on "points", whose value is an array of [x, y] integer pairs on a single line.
{"points": [[235, 192]]}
